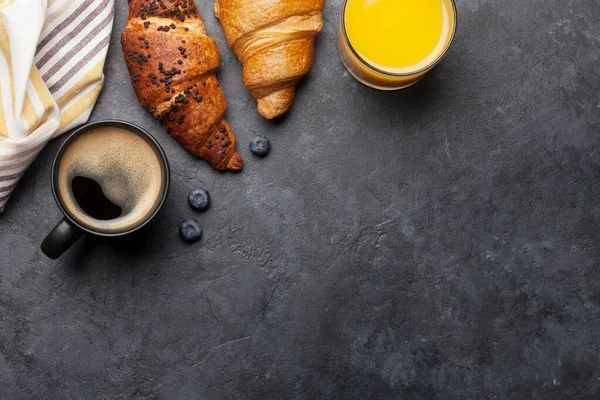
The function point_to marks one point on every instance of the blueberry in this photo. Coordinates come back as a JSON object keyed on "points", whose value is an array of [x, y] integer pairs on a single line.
{"points": [[199, 199], [190, 230], [260, 146]]}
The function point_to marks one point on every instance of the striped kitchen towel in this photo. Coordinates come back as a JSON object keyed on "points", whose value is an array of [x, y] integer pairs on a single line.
{"points": [[52, 54]]}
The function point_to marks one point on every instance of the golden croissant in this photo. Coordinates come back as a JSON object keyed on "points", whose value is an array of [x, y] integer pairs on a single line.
{"points": [[274, 40], [172, 65]]}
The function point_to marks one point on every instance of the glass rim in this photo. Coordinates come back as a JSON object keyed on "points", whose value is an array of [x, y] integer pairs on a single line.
{"points": [[400, 74]]}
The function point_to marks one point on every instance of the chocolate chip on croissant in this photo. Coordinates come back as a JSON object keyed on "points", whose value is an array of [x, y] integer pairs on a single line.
{"points": [[274, 40], [172, 65]]}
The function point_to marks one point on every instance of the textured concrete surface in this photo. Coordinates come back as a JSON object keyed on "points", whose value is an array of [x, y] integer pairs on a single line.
{"points": [[435, 243]]}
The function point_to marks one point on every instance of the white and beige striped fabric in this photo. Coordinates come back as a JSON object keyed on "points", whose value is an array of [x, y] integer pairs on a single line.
{"points": [[52, 54]]}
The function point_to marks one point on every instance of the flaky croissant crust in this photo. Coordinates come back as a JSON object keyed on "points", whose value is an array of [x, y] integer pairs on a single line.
{"points": [[274, 40], [172, 65]]}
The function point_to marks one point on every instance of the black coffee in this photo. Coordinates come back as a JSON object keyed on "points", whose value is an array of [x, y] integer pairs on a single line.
{"points": [[90, 197], [124, 179]]}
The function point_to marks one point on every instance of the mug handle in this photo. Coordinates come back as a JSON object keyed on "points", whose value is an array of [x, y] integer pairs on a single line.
{"points": [[60, 239]]}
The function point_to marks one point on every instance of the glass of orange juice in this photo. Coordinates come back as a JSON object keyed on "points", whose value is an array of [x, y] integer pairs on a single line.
{"points": [[391, 44]]}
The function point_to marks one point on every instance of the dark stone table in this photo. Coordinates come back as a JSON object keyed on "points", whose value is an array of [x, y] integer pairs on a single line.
{"points": [[435, 243]]}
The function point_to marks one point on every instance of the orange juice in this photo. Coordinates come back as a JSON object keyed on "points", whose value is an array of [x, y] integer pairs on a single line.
{"points": [[391, 44]]}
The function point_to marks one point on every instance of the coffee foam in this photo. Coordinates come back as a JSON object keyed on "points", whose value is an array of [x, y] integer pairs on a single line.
{"points": [[126, 167]]}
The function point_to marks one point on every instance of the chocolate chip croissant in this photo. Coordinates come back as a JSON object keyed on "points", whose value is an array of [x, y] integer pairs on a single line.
{"points": [[274, 40], [172, 65]]}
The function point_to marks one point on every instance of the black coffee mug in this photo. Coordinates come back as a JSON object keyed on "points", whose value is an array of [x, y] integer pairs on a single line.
{"points": [[69, 229]]}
